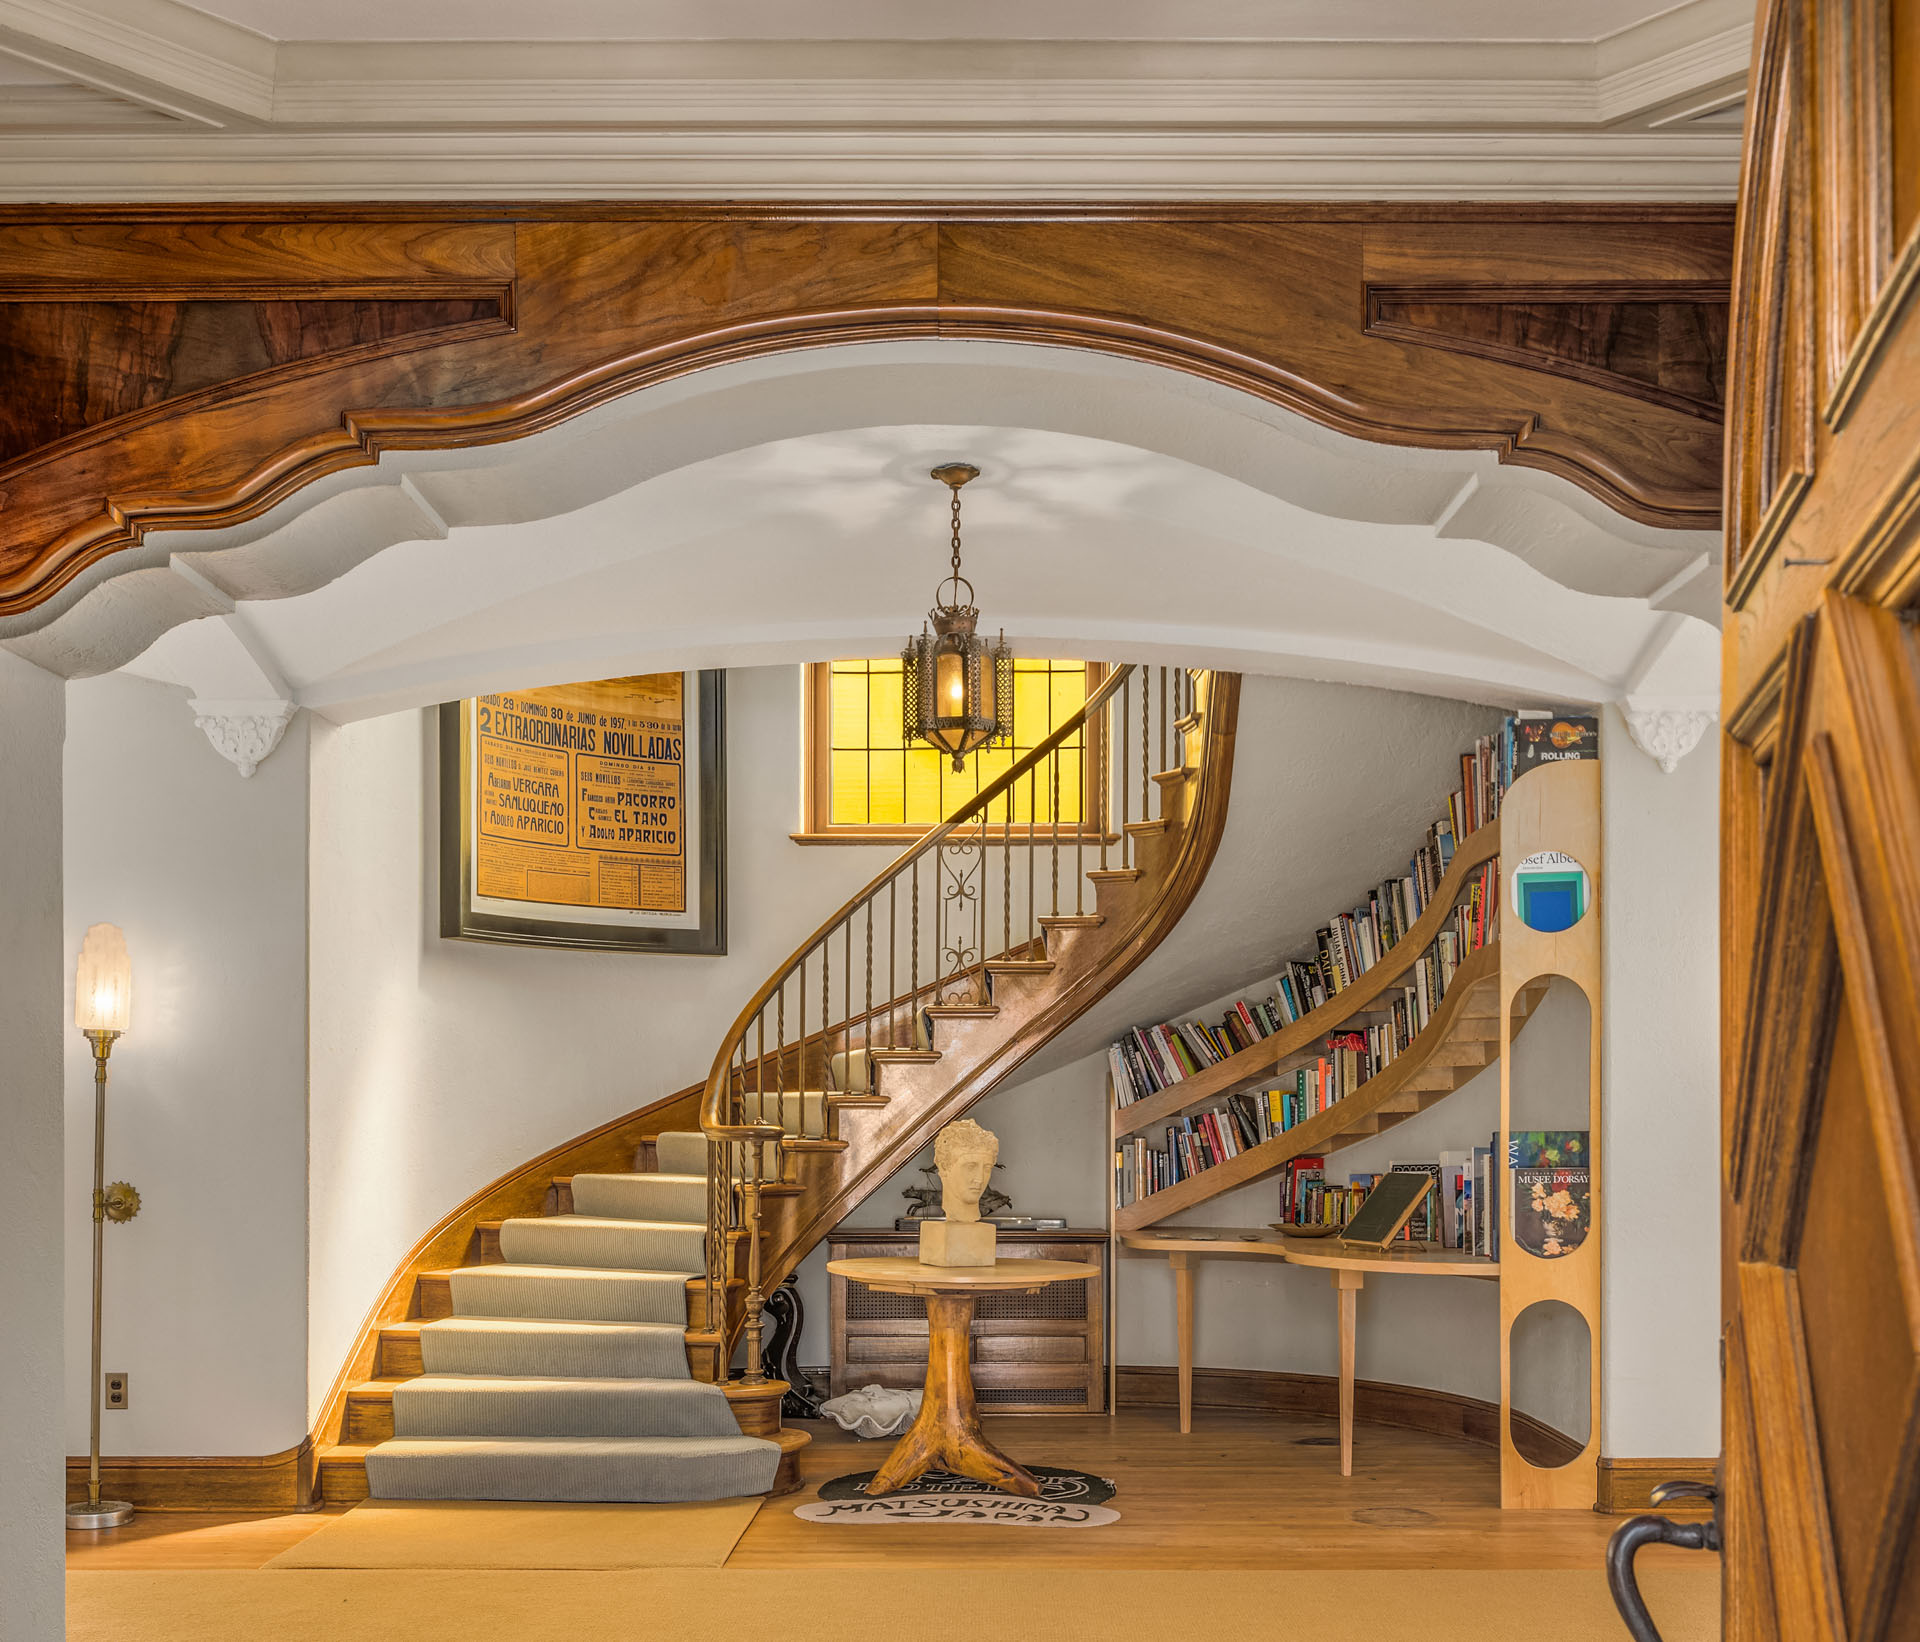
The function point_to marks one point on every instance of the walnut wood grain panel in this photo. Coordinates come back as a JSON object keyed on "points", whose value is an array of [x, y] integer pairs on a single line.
{"points": [[1668, 349], [73, 365], [609, 300], [1273, 309]]}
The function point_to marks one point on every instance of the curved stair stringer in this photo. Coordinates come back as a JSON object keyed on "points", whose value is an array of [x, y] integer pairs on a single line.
{"points": [[979, 1050], [1461, 1040]]}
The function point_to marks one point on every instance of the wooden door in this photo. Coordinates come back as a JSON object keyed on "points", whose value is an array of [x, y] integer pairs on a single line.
{"points": [[1820, 1474]]}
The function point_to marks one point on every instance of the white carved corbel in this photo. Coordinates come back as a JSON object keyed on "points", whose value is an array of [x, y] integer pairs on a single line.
{"points": [[1666, 731], [243, 732]]}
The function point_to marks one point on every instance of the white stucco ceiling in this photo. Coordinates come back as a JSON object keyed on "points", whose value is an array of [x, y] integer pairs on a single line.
{"points": [[780, 510], [877, 99]]}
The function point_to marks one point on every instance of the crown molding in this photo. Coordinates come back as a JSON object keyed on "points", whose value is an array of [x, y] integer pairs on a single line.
{"points": [[158, 53], [934, 119], [776, 164]]}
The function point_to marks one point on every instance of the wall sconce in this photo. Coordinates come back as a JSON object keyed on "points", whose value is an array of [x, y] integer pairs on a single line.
{"points": [[103, 1009]]}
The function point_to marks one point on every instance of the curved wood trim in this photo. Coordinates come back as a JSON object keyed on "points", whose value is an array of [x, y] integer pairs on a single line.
{"points": [[1323, 1130], [212, 1482], [799, 1223], [1411, 1407], [361, 435], [520, 1192], [1258, 1059]]}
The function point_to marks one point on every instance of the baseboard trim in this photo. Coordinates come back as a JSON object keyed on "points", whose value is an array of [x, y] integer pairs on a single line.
{"points": [[1626, 1485], [217, 1482], [1411, 1407]]}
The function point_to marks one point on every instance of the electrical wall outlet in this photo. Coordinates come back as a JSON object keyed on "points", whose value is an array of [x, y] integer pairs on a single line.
{"points": [[116, 1390]]}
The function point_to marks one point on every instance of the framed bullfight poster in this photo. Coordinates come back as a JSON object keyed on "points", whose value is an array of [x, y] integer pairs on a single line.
{"points": [[589, 815]]}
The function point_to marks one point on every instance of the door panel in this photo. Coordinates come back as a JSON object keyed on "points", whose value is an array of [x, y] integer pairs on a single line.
{"points": [[1820, 867]]}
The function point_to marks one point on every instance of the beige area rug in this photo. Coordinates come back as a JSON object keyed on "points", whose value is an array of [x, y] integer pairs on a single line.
{"points": [[877, 1605], [399, 1533]]}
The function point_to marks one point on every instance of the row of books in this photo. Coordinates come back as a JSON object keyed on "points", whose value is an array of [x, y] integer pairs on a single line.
{"points": [[1459, 1214], [1149, 1059], [1198, 1141]]}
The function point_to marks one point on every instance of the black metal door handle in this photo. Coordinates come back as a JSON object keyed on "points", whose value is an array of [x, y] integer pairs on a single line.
{"points": [[1648, 1530]]}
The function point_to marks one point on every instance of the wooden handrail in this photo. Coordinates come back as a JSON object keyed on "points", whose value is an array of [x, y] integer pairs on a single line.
{"points": [[713, 1112], [1262, 1058]]}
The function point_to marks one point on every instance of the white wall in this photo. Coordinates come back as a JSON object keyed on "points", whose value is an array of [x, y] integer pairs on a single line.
{"points": [[438, 1065], [205, 1289], [1660, 1097], [32, 1454]]}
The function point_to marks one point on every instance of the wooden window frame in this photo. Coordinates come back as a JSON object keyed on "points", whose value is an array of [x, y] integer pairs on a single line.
{"points": [[816, 699]]}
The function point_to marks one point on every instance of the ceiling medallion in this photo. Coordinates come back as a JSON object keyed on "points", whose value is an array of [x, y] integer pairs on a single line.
{"points": [[958, 691]]}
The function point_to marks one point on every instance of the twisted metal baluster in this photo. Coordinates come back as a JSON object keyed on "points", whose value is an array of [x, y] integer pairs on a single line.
{"points": [[1126, 767], [893, 967], [1033, 849], [866, 1027], [1146, 719], [1105, 784], [1053, 762], [1006, 877], [1163, 730]]}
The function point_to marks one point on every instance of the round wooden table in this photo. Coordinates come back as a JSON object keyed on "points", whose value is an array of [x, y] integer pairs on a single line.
{"points": [[946, 1433]]}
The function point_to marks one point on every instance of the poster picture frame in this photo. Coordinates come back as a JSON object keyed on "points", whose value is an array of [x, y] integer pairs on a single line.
{"points": [[701, 927]]}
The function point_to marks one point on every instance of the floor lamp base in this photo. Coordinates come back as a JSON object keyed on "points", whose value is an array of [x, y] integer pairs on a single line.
{"points": [[109, 1513]]}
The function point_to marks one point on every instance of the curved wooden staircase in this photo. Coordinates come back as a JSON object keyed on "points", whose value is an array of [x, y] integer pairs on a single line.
{"points": [[824, 1087]]}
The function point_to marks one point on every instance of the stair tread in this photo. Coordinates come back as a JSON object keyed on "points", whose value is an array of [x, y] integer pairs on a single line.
{"points": [[507, 1268]]}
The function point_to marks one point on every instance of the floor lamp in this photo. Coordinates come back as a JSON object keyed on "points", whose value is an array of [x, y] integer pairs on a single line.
{"points": [[103, 1009]]}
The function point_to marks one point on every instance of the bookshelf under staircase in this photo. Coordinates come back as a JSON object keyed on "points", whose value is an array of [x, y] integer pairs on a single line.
{"points": [[915, 998], [1497, 982]]}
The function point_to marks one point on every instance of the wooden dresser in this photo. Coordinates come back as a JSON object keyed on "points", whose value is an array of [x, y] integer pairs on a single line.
{"points": [[1040, 1353]]}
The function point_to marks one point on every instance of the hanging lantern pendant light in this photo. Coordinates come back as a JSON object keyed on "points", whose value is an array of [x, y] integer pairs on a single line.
{"points": [[958, 690]]}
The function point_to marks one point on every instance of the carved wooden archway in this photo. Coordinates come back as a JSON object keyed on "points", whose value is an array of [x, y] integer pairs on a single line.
{"points": [[176, 366]]}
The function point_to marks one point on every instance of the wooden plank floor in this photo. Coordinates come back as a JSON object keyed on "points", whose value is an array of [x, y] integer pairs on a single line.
{"points": [[1243, 1491]]}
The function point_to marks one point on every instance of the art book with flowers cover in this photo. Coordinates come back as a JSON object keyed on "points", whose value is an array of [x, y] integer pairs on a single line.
{"points": [[1552, 1189]]}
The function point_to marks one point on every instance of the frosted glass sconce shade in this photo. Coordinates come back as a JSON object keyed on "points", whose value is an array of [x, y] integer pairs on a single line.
{"points": [[103, 982]]}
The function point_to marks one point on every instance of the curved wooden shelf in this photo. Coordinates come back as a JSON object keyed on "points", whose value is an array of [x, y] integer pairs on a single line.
{"points": [[1461, 1039], [1263, 1058]]}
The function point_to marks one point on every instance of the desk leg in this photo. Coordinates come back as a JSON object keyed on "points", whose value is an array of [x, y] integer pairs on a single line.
{"points": [[946, 1433], [1183, 1333], [1347, 1284]]}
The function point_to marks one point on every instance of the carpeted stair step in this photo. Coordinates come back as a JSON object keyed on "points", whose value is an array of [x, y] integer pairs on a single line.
{"points": [[525, 1346], [583, 1240], [458, 1405], [637, 1469], [681, 1152], [659, 1197], [570, 1293]]}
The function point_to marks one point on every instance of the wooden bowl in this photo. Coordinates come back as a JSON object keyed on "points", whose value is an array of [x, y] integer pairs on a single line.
{"points": [[1304, 1231]]}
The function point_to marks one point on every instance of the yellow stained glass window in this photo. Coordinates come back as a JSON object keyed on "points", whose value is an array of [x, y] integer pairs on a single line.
{"points": [[870, 777]]}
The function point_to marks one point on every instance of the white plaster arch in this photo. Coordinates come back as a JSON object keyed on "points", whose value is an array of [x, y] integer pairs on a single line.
{"points": [[777, 508]]}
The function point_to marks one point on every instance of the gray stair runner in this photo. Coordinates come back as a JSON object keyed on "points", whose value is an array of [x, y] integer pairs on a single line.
{"points": [[562, 1374]]}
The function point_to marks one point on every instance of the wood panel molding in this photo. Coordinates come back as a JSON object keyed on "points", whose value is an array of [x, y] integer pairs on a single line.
{"points": [[221, 1482], [1271, 1391], [1664, 344], [593, 304]]}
